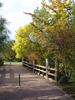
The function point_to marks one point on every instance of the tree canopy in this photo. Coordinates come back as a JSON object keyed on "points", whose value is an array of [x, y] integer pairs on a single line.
{"points": [[52, 28]]}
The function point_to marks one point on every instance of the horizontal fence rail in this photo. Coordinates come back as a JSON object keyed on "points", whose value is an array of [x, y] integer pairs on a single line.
{"points": [[43, 70]]}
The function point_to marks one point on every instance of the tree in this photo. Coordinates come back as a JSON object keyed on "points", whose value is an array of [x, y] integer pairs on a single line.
{"points": [[21, 42], [9, 54], [26, 44], [55, 23], [61, 33], [51, 33], [3, 33]]}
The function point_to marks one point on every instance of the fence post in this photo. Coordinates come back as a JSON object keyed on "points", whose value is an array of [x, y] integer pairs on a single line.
{"points": [[47, 68], [19, 80], [33, 65], [56, 70]]}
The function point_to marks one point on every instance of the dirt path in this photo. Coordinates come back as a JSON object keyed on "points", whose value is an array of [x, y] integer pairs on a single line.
{"points": [[33, 87]]}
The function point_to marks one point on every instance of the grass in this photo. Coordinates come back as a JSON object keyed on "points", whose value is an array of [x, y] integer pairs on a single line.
{"points": [[12, 63], [70, 86]]}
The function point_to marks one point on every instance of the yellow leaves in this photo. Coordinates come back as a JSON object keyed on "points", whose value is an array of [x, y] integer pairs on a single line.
{"points": [[22, 36], [61, 23], [57, 5], [67, 1], [50, 33], [33, 56]]}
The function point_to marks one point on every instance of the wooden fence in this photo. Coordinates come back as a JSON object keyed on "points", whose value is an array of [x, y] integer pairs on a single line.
{"points": [[42, 70]]}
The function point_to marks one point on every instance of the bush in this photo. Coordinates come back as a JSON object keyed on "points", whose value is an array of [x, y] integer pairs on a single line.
{"points": [[1, 62]]}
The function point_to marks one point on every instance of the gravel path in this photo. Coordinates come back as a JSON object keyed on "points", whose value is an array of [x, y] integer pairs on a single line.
{"points": [[33, 87]]}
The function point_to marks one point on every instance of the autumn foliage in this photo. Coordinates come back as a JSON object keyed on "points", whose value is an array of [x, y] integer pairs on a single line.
{"points": [[51, 33]]}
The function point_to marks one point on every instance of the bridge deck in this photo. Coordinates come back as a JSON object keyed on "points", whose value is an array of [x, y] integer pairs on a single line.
{"points": [[33, 87]]}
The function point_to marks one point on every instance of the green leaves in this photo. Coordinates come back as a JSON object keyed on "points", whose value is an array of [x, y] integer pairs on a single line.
{"points": [[50, 33], [3, 33]]}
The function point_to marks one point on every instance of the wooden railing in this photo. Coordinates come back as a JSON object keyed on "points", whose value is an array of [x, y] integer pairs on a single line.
{"points": [[42, 70]]}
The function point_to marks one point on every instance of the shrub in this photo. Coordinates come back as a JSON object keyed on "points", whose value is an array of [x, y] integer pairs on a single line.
{"points": [[1, 62]]}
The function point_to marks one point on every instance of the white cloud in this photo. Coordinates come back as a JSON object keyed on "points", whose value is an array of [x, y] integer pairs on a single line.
{"points": [[13, 11], [16, 20]]}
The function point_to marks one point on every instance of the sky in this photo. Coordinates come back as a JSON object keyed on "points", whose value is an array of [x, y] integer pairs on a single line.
{"points": [[13, 10]]}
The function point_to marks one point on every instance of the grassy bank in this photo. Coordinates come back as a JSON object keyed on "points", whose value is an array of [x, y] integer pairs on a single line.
{"points": [[70, 87]]}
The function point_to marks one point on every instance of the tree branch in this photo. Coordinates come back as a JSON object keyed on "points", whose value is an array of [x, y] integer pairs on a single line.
{"points": [[45, 5], [40, 19]]}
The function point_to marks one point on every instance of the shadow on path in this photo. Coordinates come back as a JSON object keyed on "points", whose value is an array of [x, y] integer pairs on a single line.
{"points": [[33, 87]]}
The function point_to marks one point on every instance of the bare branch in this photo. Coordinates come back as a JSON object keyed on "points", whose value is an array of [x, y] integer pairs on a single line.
{"points": [[48, 7], [40, 19]]}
